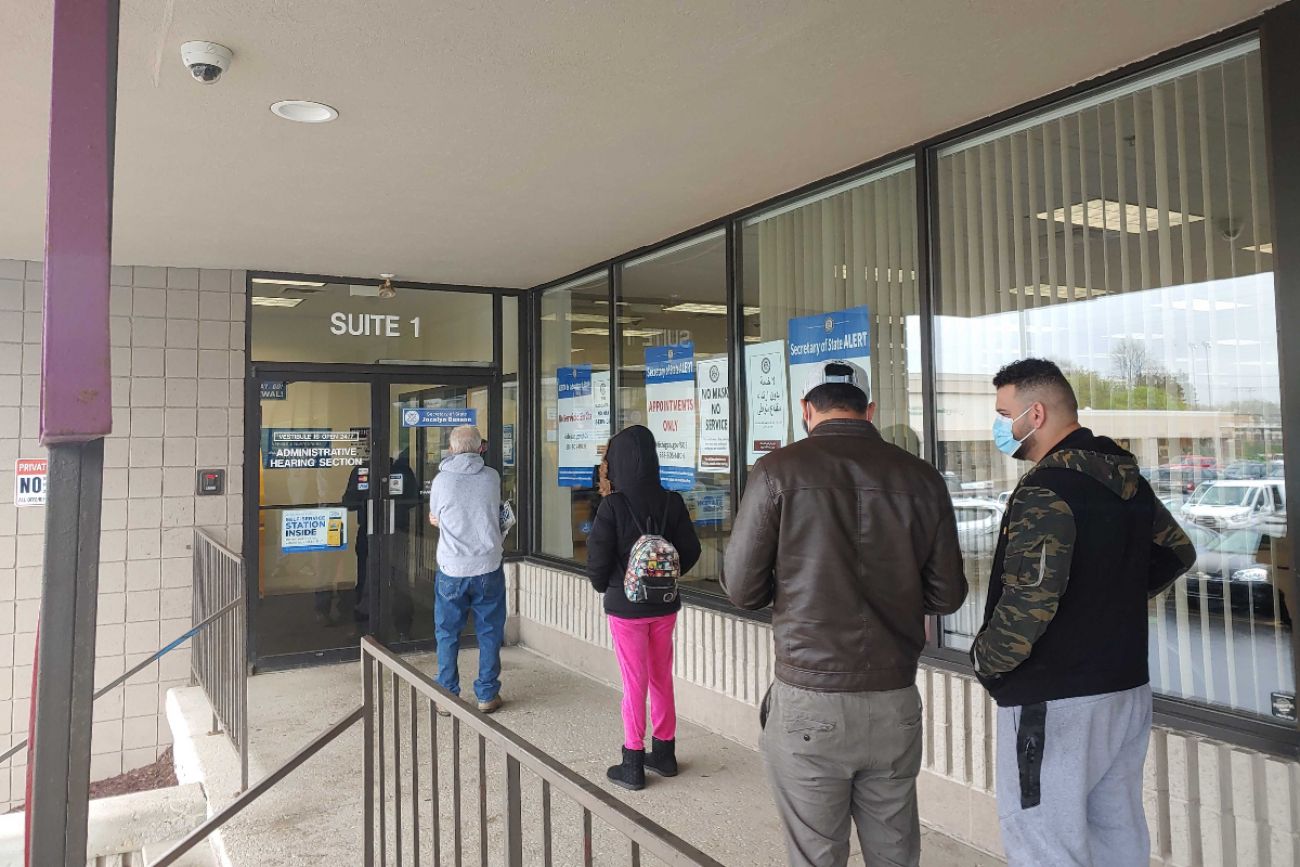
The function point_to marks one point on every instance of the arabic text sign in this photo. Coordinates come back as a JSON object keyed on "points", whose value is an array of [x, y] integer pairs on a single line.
{"points": [[31, 481], [313, 448], [769, 422], [713, 392], [576, 440], [303, 530], [670, 411], [844, 335], [439, 417]]}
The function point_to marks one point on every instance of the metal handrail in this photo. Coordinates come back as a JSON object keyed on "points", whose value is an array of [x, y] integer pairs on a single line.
{"points": [[219, 663], [643, 832], [140, 666], [199, 834]]}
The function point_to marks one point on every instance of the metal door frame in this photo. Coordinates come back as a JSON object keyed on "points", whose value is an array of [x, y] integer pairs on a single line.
{"points": [[378, 378]]}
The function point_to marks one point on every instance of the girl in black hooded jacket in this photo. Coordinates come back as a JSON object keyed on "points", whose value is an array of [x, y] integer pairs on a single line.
{"points": [[642, 632]]}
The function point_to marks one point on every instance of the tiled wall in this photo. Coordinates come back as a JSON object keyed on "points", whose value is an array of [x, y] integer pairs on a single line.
{"points": [[1208, 803], [178, 378]]}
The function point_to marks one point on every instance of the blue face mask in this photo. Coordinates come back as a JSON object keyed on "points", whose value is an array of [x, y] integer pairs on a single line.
{"points": [[1004, 439]]}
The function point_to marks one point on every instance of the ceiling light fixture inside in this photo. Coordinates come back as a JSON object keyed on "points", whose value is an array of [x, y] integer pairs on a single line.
{"points": [[266, 301], [304, 111], [275, 281], [709, 309], [1260, 248], [1113, 216]]}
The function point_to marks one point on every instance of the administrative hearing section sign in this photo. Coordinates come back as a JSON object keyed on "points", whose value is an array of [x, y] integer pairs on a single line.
{"points": [[31, 481], [314, 448], [575, 414], [712, 389], [303, 530], [844, 335], [439, 417], [765, 395], [670, 411]]}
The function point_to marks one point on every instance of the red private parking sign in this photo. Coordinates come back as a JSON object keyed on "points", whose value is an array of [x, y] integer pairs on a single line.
{"points": [[30, 481]]}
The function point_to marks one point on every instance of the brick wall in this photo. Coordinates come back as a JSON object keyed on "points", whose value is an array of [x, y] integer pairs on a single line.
{"points": [[178, 378]]}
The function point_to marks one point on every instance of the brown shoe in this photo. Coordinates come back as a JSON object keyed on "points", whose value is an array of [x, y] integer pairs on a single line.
{"points": [[492, 705]]}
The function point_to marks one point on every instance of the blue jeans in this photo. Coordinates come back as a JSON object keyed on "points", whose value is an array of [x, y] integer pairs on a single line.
{"points": [[485, 595]]}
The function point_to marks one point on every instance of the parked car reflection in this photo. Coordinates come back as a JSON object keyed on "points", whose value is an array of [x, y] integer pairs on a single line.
{"points": [[1230, 505], [1234, 570], [978, 521]]}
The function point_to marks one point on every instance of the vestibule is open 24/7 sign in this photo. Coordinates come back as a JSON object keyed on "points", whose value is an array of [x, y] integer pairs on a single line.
{"points": [[31, 480]]}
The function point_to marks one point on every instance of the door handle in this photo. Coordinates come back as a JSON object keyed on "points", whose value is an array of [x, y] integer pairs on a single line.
{"points": [[392, 516], [370, 517]]}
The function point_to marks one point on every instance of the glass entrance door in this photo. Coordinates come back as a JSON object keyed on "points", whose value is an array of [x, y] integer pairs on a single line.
{"points": [[420, 418], [343, 545]]}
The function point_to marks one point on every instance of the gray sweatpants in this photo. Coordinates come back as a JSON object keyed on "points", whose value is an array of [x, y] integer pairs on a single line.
{"points": [[1084, 757], [836, 756]]}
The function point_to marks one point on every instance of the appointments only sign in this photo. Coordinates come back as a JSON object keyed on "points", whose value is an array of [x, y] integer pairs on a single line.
{"points": [[31, 481]]}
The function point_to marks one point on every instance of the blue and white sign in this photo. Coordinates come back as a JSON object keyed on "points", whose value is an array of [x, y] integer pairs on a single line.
{"points": [[275, 390], [508, 445], [439, 416], [844, 335], [575, 414], [708, 508], [303, 530], [670, 411]]}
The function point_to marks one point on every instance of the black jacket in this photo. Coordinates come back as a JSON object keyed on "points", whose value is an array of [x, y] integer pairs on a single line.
{"points": [[1084, 545], [634, 474]]}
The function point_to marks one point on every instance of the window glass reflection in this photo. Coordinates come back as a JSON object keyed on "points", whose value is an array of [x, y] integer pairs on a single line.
{"points": [[1128, 240]]}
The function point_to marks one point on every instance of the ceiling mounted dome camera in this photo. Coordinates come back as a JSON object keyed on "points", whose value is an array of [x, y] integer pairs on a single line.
{"points": [[206, 61]]}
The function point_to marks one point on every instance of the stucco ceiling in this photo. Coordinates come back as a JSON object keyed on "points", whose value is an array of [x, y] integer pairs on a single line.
{"points": [[511, 143]]}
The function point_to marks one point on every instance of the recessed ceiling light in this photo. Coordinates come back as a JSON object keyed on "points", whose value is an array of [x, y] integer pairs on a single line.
{"points": [[1110, 215], [272, 281], [1260, 248], [303, 111], [264, 301]]}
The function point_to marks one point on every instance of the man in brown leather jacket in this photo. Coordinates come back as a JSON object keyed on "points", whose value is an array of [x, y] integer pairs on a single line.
{"points": [[853, 542]]}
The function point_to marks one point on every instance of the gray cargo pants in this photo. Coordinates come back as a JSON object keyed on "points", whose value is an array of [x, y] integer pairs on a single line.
{"points": [[836, 756], [1070, 781]]}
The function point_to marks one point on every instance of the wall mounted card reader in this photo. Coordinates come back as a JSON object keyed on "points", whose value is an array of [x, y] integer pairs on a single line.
{"points": [[211, 482]]}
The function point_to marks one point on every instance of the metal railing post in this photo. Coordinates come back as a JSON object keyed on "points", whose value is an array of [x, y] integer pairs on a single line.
{"points": [[513, 815], [368, 755]]}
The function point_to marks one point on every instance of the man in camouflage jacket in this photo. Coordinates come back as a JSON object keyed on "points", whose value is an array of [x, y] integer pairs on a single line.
{"points": [[1063, 650]]}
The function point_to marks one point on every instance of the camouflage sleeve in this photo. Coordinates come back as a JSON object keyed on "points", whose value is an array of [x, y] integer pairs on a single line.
{"points": [[1035, 570], [1172, 552]]}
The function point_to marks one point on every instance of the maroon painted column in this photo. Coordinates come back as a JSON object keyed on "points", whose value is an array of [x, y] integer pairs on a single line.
{"points": [[76, 414]]}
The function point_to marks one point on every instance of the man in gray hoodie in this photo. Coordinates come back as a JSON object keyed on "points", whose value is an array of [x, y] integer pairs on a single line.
{"points": [[465, 506]]}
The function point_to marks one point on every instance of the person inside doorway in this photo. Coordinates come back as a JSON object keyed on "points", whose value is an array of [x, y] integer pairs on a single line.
{"points": [[465, 506]]}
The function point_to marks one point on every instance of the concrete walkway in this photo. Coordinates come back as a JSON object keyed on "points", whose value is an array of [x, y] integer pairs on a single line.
{"points": [[719, 803]]}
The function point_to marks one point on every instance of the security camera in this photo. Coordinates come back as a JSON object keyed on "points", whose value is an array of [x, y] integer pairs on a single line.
{"points": [[206, 60]]}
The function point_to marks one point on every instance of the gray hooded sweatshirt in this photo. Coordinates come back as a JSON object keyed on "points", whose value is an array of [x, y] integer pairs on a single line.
{"points": [[466, 499]]}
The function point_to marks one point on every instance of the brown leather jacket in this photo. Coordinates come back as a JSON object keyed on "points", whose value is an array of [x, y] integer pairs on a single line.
{"points": [[853, 541]]}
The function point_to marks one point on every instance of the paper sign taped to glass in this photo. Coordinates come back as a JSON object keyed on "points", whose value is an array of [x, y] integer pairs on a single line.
{"points": [[303, 530], [842, 335]]}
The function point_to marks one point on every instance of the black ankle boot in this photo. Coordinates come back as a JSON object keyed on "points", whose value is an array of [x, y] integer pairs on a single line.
{"points": [[663, 758], [630, 774]]}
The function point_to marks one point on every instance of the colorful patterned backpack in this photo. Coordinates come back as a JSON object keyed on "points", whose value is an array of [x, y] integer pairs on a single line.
{"points": [[653, 564]]}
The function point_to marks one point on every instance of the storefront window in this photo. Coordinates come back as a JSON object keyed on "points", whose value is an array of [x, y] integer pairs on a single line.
{"points": [[672, 378], [1127, 237], [575, 411], [833, 276]]}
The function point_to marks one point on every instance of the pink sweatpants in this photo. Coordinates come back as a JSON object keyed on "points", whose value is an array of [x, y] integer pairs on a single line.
{"points": [[644, 647]]}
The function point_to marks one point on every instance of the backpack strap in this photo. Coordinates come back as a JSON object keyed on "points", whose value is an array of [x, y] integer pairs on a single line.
{"points": [[663, 523], [632, 511]]}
